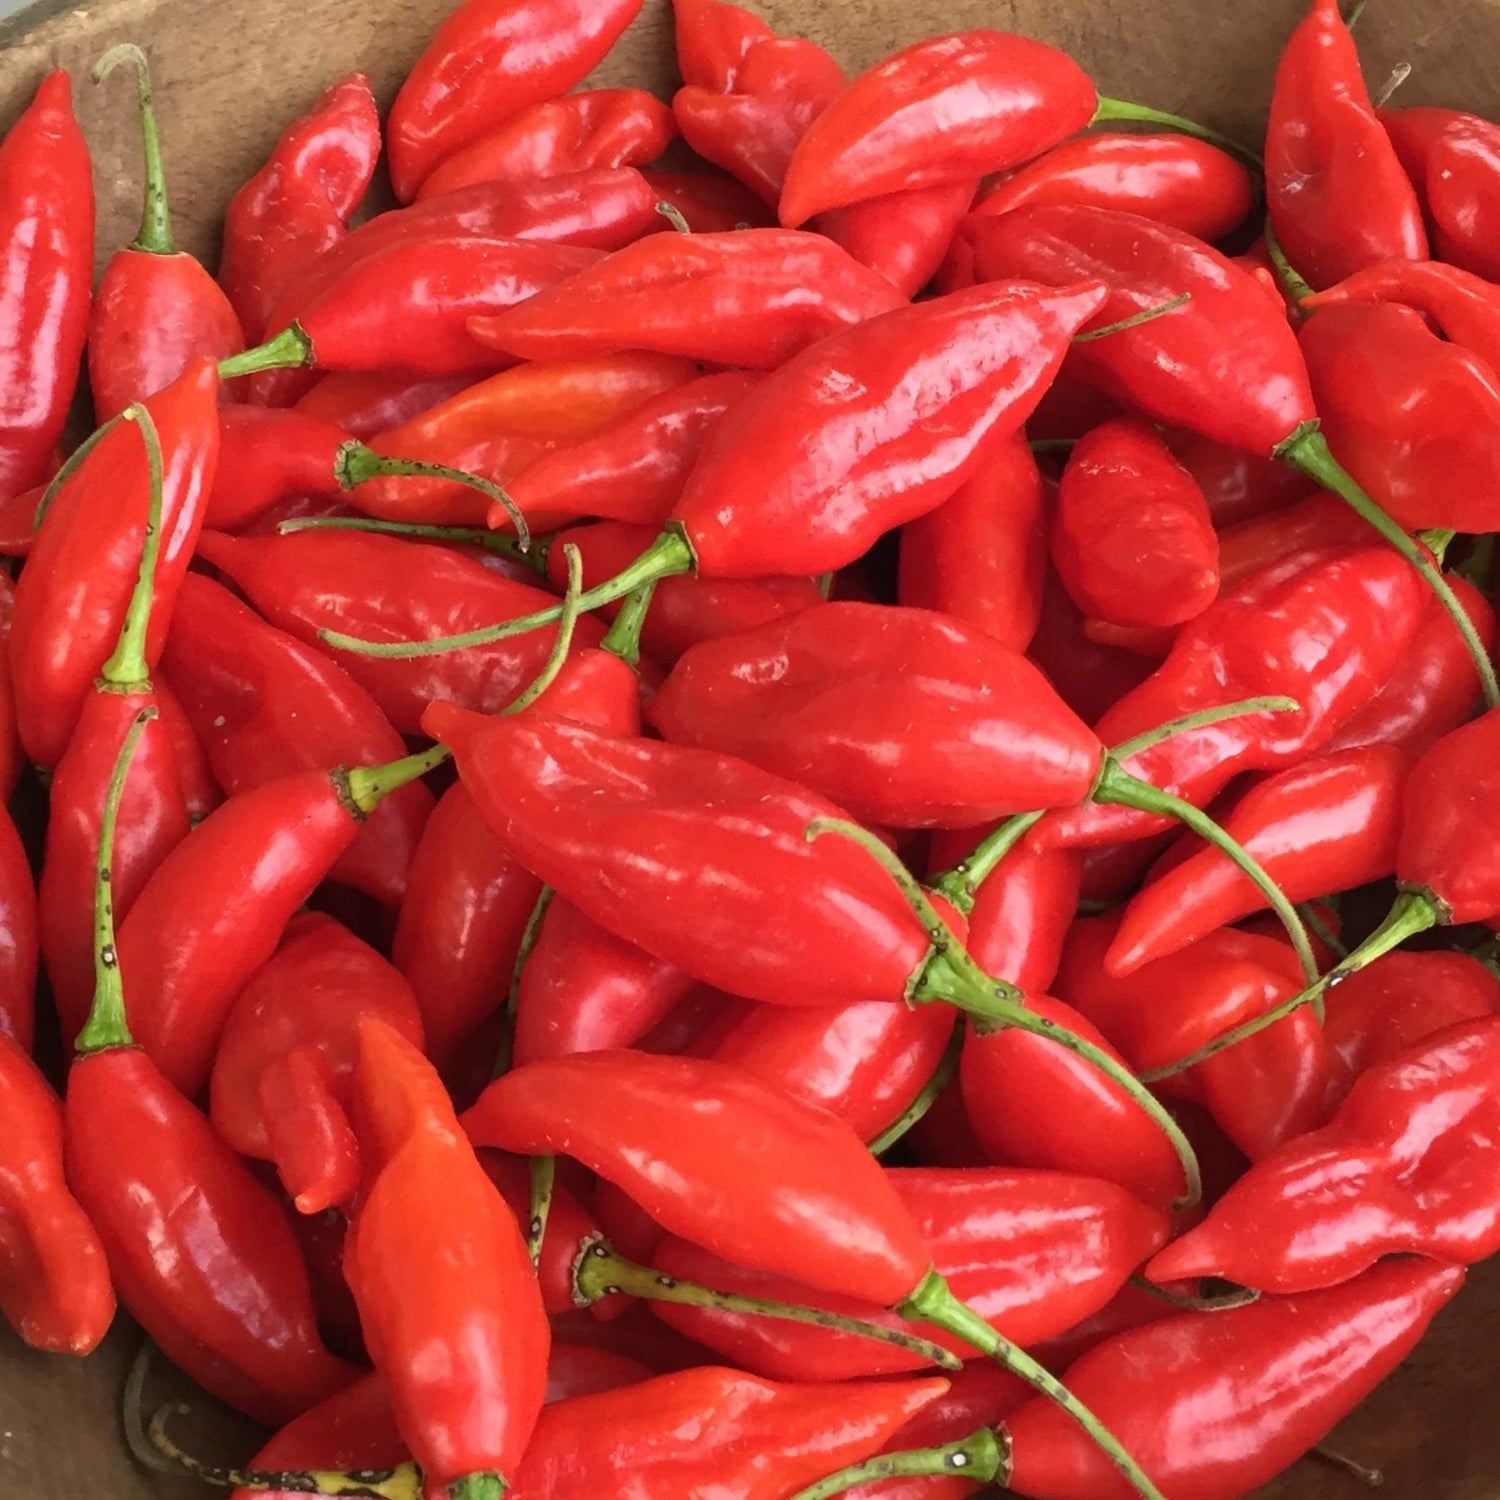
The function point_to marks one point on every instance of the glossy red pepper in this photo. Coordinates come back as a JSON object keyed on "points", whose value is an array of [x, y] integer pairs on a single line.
{"points": [[365, 402], [1174, 179], [295, 207], [1132, 539], [279, 1090], [1032, 1252], [11, 756], [709, 202], [73, 594], [753, 297], [1267, 1382], [1089, 676], [19, 939], [157, 309], [1238, 486], [384, 586], [575, 133], [1453, 161], [436, 1261], [264, 705], [1339, 200], [904, 235], [981, 556], [1328, 824], [1405, 1165], [47, 266], [55, 1289], [750, 1439]]}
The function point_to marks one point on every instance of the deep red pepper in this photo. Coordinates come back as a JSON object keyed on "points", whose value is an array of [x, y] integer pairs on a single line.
{"points": [[709, 202], [157, 309], [201, 793], [575, 133], [1328, 824], [903, 236], [11, 756], [1321, 520], [1238, 486], [981, 556], [1132, 539], [1338, 197], [753, 297], [435, 1260], [264, 705], [55, 1289], [712, 39], [365, 402], [380, 585], [73, 594], [569, 1228], [577, 1370], [486, 62], [1089, 676], [47, 266], [279, 1090], [1405, 1165], [18, 937], [1175, 179], [295, 207]]}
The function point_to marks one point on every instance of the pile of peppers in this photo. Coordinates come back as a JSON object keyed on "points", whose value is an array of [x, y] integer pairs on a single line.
{"points": [[718, 796]]}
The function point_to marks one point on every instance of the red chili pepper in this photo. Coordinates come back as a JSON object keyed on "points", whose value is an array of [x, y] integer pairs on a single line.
{"points": [[753, 297], [201, 793], [1089, 677], [576, 133], [864, 1063], [1172, 178], [981, 556], [1328, 824], [11, 756], [1270, 1380], [1132, 539], [200, 1252], [264, 706], [1321, 520], [295, 207], [365, 402], [18, 937], [47, 263], [577, 1370], [1405, 1165], [157, 310], [1032, 1252], [487, 61], [711, 1431], [435, 1261], [54, 1283], [279, 1090], [709, 202], [903, 236], [1453, 162], [73, 594], [569, 1229], [685, 610], [1238, 486], [380, 585], [1416, 419], [1338, 197]]}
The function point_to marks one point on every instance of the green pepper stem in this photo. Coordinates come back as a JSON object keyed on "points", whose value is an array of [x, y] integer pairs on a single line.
{"points": [[951, 975], [1135, 320], [670, 554], [1241, 1296], [673, 215], [127, 666], [1293, 284], [623, 638], [1201, 720], [368, 786], [600, 1271], [1437, 540], [982, 1458], [106, 1025], [1118, 787], [505, 1054], [1307, 450], [1121, 109], [543, 1179], [501, 542], [71, 466], [933, 1301], [357, 464], [927, 1095], [291, 349], [1321, 930], [1411, 912], [155, 237]]}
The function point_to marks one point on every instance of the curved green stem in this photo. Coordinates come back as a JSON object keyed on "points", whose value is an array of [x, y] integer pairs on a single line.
{"points": [[601, 1271], [543, 1179], [1293, 285], [532, 932], [155, 237], [1241, 1296], [1146, 315], [366, 787], [501, 542], [1121, 109], [623, 638], [982, 1458], [927, 1095], [1412, 912], [127, 666], [1321, 930], [132, 1415], [1276, 704], [1307, 450], [106, 1025], [357, 464], [1117, 786], [291, 349], [668, 556], [951, 975], [934, 1302]]}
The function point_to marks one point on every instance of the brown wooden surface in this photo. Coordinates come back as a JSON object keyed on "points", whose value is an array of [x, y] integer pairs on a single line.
{"points": [[229, 73]]}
